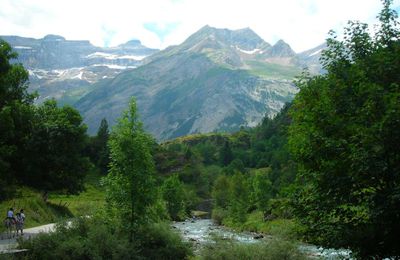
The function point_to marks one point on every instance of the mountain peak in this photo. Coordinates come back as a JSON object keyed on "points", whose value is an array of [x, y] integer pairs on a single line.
{"points": [[131, 43], [280, 41], [244, 38], [53, 37], [281, 49]]}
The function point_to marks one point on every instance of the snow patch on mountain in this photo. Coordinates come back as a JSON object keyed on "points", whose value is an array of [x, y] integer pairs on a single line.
{"points": [[22, 47], [315, 53], [250, 52]]}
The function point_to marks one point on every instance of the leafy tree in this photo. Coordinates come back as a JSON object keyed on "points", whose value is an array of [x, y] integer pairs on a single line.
{"points": [[239, 204], [130, 182], [235, 165], [225, 154], [174, 195], [345, 137], [261, 189], [15, 116], [14, 78], [221, 192], [208, 152], [104, 152], [54, 158]]}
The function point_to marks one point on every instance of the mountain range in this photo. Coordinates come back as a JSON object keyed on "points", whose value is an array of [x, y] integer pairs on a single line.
{"points": [[216, 80], [66, 70]]}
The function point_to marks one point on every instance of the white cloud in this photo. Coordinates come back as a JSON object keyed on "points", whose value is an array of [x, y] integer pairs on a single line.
{"points": [[302, 23]]}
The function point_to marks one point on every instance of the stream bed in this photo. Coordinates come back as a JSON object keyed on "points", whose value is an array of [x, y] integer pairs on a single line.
{"points": [[201, 231]]}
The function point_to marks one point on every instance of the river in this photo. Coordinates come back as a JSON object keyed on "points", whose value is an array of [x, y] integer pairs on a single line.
{"points": [[201, 231]]}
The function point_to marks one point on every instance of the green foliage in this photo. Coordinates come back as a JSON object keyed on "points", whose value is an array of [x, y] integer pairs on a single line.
{"points": [[97, 148], [54, 159], [174, 195], [239, 204], [262, 189], [42, 146], [221, 192], [13, 78], [130, 182], [345, 136], [98, 239], [258, 155], [157, 241], [36, 210], [219, 215], [225, 154], [270, 250], [15, 117]]}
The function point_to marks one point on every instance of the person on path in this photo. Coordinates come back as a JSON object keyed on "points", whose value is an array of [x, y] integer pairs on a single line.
{"points": [[21, 222], [10, 215], [9, 222], [18, 222]]}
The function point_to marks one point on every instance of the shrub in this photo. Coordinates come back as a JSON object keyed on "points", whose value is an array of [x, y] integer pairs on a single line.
{"points": [[97, 239], [157, 241], [218, 215]]}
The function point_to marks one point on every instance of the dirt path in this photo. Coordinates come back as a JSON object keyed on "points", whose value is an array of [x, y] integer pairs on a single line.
{"points": [[9, 245]]}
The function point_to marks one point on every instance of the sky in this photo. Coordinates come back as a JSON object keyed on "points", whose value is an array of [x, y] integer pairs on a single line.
{"points": [[303, 24]]}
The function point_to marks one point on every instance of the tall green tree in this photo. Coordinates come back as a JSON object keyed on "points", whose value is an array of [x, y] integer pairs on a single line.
{"points": [[345, 136], [240, 200], [173, 194], [97, 148], [54, 158], [15, 116], [262, 189], [130, 182], [225, 154], [221, 192]]}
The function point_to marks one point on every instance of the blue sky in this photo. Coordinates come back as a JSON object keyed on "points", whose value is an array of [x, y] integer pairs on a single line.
{"points": [[160, 23], [162, 30]]}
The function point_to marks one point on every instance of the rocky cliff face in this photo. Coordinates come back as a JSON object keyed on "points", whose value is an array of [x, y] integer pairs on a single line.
{"points": [[66, 70]]}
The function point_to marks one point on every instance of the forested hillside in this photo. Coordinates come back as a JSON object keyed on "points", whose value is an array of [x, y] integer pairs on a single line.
{"points": [[253, 164]]}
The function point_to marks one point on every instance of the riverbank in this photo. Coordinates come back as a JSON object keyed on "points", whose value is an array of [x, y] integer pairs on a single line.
{"points": [[203, 232]]}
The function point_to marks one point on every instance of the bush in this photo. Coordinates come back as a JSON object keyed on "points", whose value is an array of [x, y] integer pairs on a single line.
{"points": [[255, 222], [157, 241], [218, 215], [97, 239]]}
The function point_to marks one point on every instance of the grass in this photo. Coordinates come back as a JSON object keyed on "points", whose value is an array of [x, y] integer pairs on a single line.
{"points": [[285, 228], [280, 227], [272, 249], [36, 210], [58, 207], [83, 204], [274, 71]]}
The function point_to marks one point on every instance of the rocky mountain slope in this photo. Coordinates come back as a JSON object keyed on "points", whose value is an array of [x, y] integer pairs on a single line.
{"points": [[217, 80], [66, 70]]}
